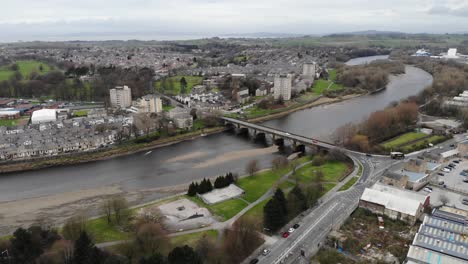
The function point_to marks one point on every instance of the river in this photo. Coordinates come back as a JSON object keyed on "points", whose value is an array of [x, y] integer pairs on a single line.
{"points": [[207, 156]]}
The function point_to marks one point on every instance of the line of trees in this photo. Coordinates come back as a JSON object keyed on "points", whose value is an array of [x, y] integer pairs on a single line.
{"points": [[206, 186]]}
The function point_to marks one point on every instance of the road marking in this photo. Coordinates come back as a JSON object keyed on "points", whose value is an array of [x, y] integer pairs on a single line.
{"points": [[298, 240]]}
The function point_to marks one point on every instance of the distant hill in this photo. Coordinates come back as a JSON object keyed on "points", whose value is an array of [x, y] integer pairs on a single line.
{"points": [[262, 35], [367, 33]]}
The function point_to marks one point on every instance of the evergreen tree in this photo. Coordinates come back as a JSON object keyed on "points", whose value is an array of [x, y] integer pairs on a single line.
{"points": [[153, 259], [23, 248], [85, 252], [273, 215], [203, 187], [192, 191], [196, 187], [297, 202], [184, 255], [209, 186], [279, 196], [229, 178]]}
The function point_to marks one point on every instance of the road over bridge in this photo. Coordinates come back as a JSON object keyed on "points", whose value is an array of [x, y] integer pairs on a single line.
{"points": [[278, 133]]}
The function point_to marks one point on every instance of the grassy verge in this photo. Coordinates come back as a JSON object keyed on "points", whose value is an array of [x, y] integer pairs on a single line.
{"points": [[350, 183], [192, 239], [13, 122], [403, 139], [332, 170], [423, 144], [255, 186], [104, 232], [225, 210], [168, 108], [80, 113]]}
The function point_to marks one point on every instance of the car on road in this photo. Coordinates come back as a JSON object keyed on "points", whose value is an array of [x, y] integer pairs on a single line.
{"points": [[441, 183], [287, 134], [295, 226], [285, 234], [440, 174], [254, 261], [427, 189], [465, 201], [446, 169], [291, 229], [369, 155], [265, 252]]}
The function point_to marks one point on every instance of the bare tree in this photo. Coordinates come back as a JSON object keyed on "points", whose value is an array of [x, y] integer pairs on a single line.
{"points": [[151, 238], [279, 162], [119, 206], [106, 208], [241, 240], [74, 226], [252, 167], [444, 199]]}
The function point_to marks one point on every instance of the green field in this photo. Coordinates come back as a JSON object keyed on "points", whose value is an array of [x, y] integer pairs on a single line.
{"points": [[350, 183], [255, 186], [321, 85], [168, 108], [423, 144], [14, 122], [192, 239], [225, 210], [80, 113], [101, 231], [332, 170], [171, 85], [26, 67], [403, 139]]}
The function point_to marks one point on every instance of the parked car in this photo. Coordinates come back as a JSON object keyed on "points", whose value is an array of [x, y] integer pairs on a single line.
{"points": [[452, 145], [290, 230], [446, 169], [465, 201], [465, 180], [427, 190], [464, 173], [265, 252], [441, 183], [440, 174], [451, 165], [456, 161], [285, 234], [296, 226], [254, 261]]}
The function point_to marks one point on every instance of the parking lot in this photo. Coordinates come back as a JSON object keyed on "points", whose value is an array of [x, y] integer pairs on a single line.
{"points": [[452, 180]]}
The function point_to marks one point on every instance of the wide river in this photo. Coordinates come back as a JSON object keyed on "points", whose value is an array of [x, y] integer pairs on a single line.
{"points": [[207, 156]]}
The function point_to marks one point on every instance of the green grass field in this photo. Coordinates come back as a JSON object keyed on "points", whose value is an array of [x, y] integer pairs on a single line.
{"points": [[14, 122], [403, 139], [423, 144], [192, 239], [255, 186], [168, 108], [332, 170], [171, 85], [26, 67], [80, 113], [321, 85], [225, 210], [101, 231]]}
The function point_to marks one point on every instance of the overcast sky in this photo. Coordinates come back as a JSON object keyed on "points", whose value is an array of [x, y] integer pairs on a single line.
{"points": [[146, 19]]}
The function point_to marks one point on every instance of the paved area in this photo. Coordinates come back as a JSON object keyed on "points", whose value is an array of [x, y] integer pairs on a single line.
{"points": [[219, 195], [184, 214], [453, 179]]}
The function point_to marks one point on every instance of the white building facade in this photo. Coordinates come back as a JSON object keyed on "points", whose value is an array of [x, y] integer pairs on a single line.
{"points": [[282, 86], [121, 96], [149, 104], [309, 69]]}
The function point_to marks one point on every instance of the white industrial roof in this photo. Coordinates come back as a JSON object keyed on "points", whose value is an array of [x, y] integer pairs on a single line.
{"points": [[449, 153], [393, 198], [44, 115]]}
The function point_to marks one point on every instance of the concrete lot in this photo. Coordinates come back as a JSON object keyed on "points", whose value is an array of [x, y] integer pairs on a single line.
{"points": [[179, 215], [219, 195]]}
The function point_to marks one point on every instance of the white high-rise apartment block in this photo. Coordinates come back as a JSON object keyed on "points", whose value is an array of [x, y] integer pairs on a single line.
{"points": [[309, 69], [282, 86], [121, 96], [149, 104]]}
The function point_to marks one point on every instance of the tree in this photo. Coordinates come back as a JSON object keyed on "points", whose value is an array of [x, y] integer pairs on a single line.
{"points": [[205, 248], [252, 167], [444, 199], [183, 85], [279, 162], [85, 252], [150, 238], [230, 178], [313, 193], [119, 206], [279, 196], [23, 248], [297, 202], [153, 259], [192, 190], [241, 240], [74, 226], [274, 216], [106, 208], [184, 255]]}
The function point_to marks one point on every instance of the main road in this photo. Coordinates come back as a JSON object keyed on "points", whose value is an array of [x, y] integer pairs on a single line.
{"points": [[330, 213]]}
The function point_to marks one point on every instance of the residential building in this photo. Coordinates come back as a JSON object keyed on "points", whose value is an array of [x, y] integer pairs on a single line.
{"points": [[149, 104], [44, 116], [9, 114], [262, 91], [181, 117], [243, 96], [413, 174], [394, 202], [441, 238], [395, 179], [121, 97], [282, 86], [309, 69]]}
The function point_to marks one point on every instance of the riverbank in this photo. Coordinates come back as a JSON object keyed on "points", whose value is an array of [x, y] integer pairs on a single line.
{"points": [[123, 149]]}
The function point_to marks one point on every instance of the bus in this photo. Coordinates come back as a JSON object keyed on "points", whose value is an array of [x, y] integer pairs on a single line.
{"points": [[397, 155]]}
